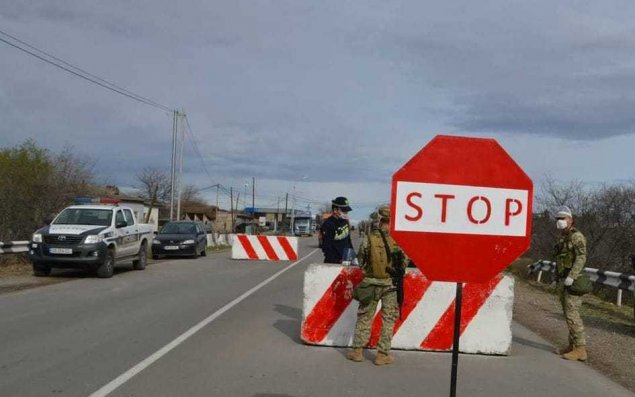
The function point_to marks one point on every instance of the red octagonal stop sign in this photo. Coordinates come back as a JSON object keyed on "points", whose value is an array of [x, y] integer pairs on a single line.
{"points": [[461, 209]]}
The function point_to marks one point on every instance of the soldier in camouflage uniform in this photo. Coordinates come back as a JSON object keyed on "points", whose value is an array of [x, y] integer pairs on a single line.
{"points": [[378, 266], [570, 259]]}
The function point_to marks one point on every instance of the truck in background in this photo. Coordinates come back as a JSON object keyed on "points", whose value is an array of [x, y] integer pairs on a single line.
{"points": [[303, 226]]}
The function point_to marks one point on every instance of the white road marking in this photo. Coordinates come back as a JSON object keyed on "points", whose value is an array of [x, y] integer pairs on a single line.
{"points": [[126, 376]]}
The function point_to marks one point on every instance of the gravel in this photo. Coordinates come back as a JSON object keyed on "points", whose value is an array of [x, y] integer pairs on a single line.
{"points": [[610, 329]]}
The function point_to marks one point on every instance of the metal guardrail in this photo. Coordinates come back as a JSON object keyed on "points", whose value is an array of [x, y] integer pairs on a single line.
{"points": [[14, 247], [621, 281]]}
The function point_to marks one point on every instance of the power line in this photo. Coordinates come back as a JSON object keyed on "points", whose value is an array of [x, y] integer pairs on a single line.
{"points": [[197, 152], [76, 71], [195, 145]]}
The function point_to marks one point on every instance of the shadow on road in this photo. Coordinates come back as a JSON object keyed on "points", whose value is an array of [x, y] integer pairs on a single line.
{"points": [[81, 273], [535, 345], [291, 327]]}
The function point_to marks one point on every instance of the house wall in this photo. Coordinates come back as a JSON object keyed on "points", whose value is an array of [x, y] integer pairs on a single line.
{"points": [[141, 211]]}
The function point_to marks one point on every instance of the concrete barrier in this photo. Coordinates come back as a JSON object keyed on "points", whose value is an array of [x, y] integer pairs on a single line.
{"points": [[269, 248], [219, 239], [427, 314]]}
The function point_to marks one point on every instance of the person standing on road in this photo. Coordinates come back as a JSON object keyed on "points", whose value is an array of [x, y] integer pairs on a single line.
{"points": [[336, 233], [381, 260], [570, 254]]}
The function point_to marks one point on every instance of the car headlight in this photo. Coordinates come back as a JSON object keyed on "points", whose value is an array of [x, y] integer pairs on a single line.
{"points": [[155, 241], [93, 239], [37, 238], [188, 242]]}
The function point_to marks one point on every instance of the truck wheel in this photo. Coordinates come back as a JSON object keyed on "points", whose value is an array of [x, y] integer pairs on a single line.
{"points": [[204, 252], [40, 270], [107, 269], [140, 264]]}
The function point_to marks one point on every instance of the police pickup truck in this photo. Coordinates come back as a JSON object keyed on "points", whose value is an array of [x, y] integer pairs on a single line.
{"points": [[92, 237]]}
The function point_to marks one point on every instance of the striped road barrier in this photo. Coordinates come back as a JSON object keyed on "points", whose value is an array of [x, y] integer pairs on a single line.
{"points": [[265, 248], [427, 314], [14, 247]]}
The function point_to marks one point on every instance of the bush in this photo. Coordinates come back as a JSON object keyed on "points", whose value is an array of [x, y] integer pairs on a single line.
{"points": [[35, 184]]}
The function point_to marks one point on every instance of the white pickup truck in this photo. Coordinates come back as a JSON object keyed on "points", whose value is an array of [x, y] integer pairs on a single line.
{"points": [[93, 237]]}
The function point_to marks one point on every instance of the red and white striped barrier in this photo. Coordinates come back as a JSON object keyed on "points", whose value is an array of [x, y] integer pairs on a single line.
{"points": [[427, 314], [266, 248]]}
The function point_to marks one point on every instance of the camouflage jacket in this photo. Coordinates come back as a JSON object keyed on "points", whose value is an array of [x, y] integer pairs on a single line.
{"points": [[570, 254]]}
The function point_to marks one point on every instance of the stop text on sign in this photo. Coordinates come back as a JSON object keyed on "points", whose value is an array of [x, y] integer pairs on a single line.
{"points": [[459, 209]]}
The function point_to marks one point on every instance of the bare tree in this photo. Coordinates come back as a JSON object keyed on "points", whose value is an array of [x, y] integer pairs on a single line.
{"points": [[604, 214], [72, 176], [551, 195], [612, 226], [155, 186], [191, 197]]}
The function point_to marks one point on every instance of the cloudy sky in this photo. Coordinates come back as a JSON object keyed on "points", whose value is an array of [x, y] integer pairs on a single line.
{"points": [[330, 96]]}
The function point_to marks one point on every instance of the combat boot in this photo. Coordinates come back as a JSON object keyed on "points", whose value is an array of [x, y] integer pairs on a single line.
{"points": [[578, 353], [565, 350], [356, 354], [383, 359]]}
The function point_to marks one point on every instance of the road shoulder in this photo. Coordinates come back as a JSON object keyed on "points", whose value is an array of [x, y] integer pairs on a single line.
{"points": [[610, 330]]}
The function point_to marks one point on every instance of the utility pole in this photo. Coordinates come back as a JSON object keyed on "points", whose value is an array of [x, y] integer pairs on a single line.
{"points": [[231, 206], [178, 202], [286, 206], [173, 166], [293, 206], [293, 211], [177, 158], [277, 214], [253, 204]]}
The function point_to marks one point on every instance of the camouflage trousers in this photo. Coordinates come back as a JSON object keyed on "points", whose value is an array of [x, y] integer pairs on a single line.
{"points": [[389, 314], [571, 307]]}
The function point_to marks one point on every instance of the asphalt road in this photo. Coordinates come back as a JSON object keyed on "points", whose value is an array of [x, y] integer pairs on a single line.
{"points": [[217, 327]]}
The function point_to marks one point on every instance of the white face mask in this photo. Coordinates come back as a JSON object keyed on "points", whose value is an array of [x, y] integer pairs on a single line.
{"points": [[561, 224], [343, 215]]}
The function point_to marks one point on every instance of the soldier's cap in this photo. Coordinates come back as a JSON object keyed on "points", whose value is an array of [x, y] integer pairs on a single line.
{"points": [[563, 212], [384, 211], [341, 203]]}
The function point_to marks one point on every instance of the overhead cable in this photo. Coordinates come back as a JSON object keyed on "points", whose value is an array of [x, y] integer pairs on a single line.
{"points": [[76, 71], [195, 145]]}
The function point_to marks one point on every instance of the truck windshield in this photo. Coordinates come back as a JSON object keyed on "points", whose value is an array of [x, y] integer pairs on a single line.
{"points": [[84, 216]]}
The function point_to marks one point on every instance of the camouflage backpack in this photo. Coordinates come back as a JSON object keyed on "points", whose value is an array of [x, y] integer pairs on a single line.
{"points": [[378, 253]]}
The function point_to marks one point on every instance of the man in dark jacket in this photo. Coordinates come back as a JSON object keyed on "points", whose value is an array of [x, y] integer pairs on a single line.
{"points": [[336, 235]]}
